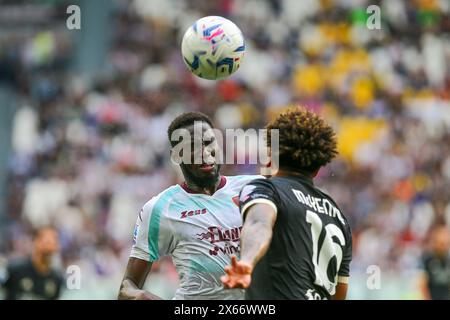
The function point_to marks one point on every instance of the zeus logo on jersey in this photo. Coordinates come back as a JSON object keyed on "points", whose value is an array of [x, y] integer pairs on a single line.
{"points": [[191, 213]]}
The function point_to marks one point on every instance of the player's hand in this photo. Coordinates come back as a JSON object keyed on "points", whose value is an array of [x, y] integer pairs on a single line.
{"points": [[144, 295], [238, 275]]}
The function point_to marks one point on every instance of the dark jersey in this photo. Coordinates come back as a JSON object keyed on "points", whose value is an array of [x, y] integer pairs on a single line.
{"points": [[311, 246], [437, 271], [24, 282]]}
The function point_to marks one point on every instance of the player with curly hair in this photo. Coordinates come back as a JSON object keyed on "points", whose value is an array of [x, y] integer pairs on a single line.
{"points": [[296, 243]]}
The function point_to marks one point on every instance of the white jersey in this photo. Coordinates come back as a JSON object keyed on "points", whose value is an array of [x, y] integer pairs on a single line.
{"points": [[199, 231]]}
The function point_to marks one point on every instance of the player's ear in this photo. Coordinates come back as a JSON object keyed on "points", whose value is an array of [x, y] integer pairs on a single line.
{"points": [[315, 173], [270, 168]]}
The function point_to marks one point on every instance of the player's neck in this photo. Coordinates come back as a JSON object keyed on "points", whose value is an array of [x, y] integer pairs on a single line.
{"points": [[288, 172], [209, 190], [40, 262]]}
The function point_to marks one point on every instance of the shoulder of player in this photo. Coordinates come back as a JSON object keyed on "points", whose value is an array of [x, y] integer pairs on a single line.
{"points": [[241, 180], [19, 263], [158, 203], [57, 275], [18, 266], [342, 214], [329, 198], [274, 183], [277, 180], [279, 183]]}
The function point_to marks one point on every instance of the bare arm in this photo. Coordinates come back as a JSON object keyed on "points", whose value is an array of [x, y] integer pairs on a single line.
{"points": [[423, 286], [134, 279], [341, 291], [257, 232], [255, 239]]}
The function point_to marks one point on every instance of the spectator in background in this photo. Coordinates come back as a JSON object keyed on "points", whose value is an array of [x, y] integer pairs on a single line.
{"points": [[436, 265], [34, 278]]}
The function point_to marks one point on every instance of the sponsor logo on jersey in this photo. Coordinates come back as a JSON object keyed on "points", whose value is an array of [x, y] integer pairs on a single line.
{"points": [[217, 234], [230, 238], [190, 213]]}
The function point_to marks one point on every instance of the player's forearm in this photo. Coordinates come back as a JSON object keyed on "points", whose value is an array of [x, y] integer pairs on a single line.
{"points": [[257, 233], [424, 287], [255, 240], [129, 291], [134, 279]]}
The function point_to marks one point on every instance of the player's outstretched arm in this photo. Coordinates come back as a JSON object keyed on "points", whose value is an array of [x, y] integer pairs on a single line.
{"points": [[134, 279], [341, 291], [255, 240], [257, 232]]}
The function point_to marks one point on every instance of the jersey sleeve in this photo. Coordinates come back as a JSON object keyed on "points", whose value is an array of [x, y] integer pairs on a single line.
{"points": [[152, 235], [344, 270], [258, 191]]}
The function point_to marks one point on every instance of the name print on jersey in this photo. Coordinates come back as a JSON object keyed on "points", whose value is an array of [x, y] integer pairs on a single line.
{"points": [[319, 205], [230, 238]]}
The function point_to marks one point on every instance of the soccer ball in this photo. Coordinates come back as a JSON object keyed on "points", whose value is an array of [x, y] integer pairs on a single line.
{"points": [[213, 48]]}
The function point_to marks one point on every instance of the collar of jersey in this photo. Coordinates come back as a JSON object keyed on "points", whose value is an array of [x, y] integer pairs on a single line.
{"points": [[222, 183]]}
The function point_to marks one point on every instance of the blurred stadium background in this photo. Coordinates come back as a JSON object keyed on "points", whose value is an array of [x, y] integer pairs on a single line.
{"points": [[84, 113]]}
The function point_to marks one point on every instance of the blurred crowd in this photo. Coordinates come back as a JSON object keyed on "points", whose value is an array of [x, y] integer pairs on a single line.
{"points": [[88, 154]]}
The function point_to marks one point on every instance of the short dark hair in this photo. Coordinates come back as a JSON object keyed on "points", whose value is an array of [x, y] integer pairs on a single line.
{"points": [[306, 142], [187, 119]]}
